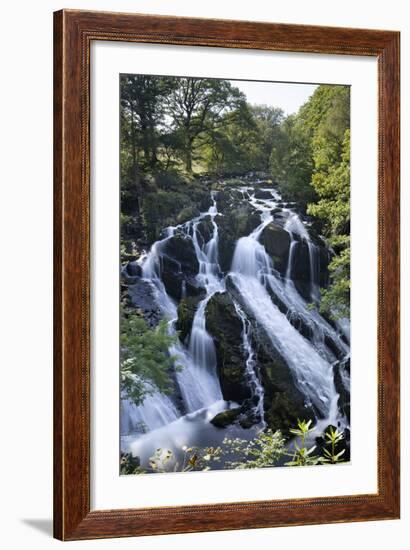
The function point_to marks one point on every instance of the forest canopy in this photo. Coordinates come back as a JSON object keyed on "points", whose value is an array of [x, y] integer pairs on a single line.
{"points": [[177, 131]]}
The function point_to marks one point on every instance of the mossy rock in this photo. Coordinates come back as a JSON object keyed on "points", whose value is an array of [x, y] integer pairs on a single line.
{"points": [[187, 214], [186, 312], [225, 327], [281, 413], [234, 224], [283, 401], [261, 194], [344, 395], [226, 418], [205, 229], [223, 200], [180, 248], [276, 242]]}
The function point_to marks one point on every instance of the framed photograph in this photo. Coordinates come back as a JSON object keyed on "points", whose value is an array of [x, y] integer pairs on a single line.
{"points": [[226, 283]]}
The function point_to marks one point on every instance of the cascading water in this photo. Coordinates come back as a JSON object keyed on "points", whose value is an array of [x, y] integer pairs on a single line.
{"points": [[201, 372], [157, 410], [253, 274], [313, 375], [263, 300], [252, 373], [294, 225]]}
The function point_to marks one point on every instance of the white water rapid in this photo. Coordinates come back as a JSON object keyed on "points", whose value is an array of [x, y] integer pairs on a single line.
{"points": [[264, 300]]}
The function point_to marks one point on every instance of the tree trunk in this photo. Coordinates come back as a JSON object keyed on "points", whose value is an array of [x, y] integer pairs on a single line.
{"points": [[188, 161], [188, 155], [135, 174]]}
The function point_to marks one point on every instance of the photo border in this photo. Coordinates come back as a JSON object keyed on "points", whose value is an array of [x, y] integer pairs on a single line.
{"points": [[73, 32]]}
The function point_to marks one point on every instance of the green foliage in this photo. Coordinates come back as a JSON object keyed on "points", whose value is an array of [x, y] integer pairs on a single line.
{"points": [[160, 210], [310, 160], [187, 214], [243, 141], [172, 127], [332, 438], [268, 121], [170, 204], [336, 299], [233, 146], [130, 464], [332, 184], [302, 455], [263, 451], [291, 162], [142, 112], [145, 359], [198, 107]]}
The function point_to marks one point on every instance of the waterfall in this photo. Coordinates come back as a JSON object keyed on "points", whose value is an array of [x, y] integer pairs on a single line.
{"points": [[250, 272], [157, 410], [294, 225], [291, 259], [252, 373], [198, 380], [264, 300]]}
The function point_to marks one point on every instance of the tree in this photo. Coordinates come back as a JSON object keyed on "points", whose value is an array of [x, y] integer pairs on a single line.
{"points": [[268, 121], [332, 184], [145, 357], [142, 112], [197, 107], [291, 162], [310, 160], [234, 145]]}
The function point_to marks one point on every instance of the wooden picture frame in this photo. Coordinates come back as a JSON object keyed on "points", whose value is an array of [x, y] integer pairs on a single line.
{"points": [[74, 32]]}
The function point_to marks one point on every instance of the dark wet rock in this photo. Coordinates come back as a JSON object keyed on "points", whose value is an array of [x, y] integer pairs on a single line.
{"points": [[261, 194], [281, 413], [276, 241], [205, 203], [344, 394], [179, 266], [301, 325], [133, 269], [276, 210], [301, 269], [233, 225], [226, 418], [236, 194], [283, 402], [191, 288], [224, 325], [334, 346], [179, 286], [223, 200], [280, 218], [324, 259], [141, 296], [205, 228], [244, 416], [181, 248], [186, 312], [187, 214]]}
